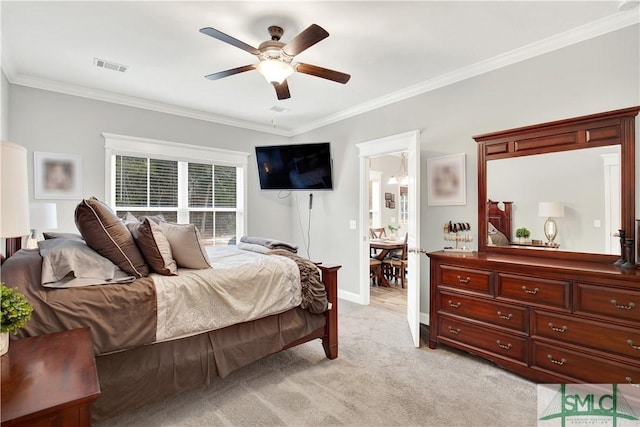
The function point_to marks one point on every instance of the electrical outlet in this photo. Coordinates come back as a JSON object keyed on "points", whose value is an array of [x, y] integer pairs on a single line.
{"points": [[596, 223], [353, 224]]}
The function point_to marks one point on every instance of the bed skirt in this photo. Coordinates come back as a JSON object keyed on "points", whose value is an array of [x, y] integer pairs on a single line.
{"points": [[142, 375]]}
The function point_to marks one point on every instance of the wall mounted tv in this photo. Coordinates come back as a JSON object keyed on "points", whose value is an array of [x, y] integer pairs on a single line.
{"points": [[295, 167]]}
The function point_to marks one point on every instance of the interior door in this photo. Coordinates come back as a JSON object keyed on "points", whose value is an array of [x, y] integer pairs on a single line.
{"points": [[413, 240]]}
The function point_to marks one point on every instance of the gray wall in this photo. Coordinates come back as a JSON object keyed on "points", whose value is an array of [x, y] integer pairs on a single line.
{"points": [[593, 76], [4, 106], [52, 122], [597, 75]]}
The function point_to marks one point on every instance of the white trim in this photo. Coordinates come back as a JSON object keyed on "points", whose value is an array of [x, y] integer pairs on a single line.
{"points": [[424, 318], [350, 296], [132, 145], [173, 150], [576, 35], [132, 101]]}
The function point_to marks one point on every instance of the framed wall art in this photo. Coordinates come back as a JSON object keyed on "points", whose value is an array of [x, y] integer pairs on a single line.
{"points": [[446, 181], [57, 176]]}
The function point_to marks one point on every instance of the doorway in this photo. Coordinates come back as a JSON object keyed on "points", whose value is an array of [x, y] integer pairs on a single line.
{"points": [[388, 195], [409, 143]]}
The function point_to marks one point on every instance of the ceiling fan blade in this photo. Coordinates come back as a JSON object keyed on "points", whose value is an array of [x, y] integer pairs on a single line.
{"points": [[324, 73], [231, 72], [228, 39], [282, 90], [312, 35]]}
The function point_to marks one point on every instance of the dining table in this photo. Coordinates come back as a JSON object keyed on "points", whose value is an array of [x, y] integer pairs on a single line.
{"points": [[383, 247]]}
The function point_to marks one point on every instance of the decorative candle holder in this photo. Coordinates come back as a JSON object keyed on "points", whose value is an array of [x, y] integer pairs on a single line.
{"points": [[628, 245]]}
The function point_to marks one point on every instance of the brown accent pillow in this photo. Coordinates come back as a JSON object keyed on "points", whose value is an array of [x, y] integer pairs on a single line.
{"points": [[186, 245], [105, 233], [154, 246]]}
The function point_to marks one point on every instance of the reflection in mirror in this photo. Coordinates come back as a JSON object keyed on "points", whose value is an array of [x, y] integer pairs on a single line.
{"points": [[585, 182]]}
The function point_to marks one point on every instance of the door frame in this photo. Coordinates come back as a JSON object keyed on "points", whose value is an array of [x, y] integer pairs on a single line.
{"points": [[378, 147]]}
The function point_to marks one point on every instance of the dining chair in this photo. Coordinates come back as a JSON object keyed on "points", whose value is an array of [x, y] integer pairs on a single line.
{"points": [[377, 233], [395, 266], [375, 267]]}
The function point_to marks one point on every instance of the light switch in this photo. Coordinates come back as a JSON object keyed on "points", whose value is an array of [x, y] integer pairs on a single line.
{"points": [[352, 224], [596, 223]]}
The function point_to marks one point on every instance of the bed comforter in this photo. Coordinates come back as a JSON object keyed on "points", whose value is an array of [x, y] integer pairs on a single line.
{"points": [[241, 286]]}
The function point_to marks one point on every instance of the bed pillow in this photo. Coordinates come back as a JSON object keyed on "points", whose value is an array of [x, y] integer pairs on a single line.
{"points": [[186, 245], [71, 236], [105, 233], [154, 246], [496, 237], [68, 263]]}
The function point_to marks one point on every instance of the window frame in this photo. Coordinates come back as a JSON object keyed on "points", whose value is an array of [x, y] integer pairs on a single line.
{"points": [[166, 150]]}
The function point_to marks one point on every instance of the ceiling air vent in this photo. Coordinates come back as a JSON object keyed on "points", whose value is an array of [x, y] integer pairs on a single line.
{"points": [[110, 65], [279, 109]]}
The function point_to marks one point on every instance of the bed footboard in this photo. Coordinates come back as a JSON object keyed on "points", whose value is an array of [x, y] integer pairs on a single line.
{"points": [[330, 338]]}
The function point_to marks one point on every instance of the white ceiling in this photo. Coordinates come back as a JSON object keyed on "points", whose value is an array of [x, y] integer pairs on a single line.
{"points": [[391, 49]]}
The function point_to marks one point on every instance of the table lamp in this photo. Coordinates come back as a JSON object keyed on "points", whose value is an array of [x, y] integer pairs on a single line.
{"points": [[14, 195], [550, 210], [44, 216]]}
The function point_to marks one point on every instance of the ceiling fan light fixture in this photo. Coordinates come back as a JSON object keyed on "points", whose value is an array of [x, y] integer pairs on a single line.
{"points": [[275, 71]]}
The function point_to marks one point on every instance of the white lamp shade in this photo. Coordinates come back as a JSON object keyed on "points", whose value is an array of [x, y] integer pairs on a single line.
{"points": [[44, 216], [550, 209], [14, 191], [274, 70]]}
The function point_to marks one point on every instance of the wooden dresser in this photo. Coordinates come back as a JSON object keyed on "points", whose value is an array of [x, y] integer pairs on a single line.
{"points": [[550, 320]]}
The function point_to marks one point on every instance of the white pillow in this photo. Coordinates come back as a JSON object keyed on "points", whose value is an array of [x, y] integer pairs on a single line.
{"points": [[68, 263]]}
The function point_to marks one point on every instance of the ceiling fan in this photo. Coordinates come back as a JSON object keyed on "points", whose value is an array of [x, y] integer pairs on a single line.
{"points": [[276, 57]]}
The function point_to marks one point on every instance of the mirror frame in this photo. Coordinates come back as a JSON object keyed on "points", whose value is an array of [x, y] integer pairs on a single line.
{"points": [[596, 130]]}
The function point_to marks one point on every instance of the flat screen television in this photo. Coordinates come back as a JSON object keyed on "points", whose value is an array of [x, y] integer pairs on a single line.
{"points": [[295, 167]]}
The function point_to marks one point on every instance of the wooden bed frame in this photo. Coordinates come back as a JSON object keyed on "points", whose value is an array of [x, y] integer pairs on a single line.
{"points": [[147, 374], [501, 219]]}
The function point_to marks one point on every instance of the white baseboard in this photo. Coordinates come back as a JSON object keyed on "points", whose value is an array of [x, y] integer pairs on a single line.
{"points": [[424, 318], [350, 296]]}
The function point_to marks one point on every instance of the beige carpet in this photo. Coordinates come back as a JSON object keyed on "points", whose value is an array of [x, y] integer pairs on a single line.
{"points": [[379, 379]]}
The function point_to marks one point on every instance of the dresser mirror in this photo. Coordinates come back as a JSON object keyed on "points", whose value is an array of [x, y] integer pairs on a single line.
{"points": [[585, 164], [589, 195]]}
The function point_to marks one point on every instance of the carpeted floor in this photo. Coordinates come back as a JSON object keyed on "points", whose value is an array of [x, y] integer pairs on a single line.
{"points": [[379, 379]]}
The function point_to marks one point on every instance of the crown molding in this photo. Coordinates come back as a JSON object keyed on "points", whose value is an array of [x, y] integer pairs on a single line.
{"points": [[131, 101], [576, 35], [588, 31]]}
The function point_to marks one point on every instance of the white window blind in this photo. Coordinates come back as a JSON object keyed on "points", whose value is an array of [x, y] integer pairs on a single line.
{"points": [[204, 193]]}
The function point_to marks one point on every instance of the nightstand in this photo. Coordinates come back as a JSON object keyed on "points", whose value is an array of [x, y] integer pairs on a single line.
{"points": [[49, 380]]}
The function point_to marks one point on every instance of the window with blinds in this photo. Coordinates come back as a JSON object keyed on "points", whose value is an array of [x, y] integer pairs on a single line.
{"points": [[202, 194]]}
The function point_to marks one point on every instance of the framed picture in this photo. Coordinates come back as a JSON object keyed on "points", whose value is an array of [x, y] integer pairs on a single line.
{"points": [[446, 181], [392, 204], [57, 176], [388, 196]]}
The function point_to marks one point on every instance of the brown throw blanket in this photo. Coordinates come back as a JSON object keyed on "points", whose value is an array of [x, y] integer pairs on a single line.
{"points": [[314, 295]]}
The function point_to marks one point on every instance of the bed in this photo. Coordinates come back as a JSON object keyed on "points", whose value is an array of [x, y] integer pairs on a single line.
{"points": [[156, 335], [499, 223]]}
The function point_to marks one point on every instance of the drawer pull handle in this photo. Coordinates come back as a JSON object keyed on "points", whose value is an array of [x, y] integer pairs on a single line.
{"points": [[507, 317], [454, 331], [461, 280], [505, 346], [455, 304], [529, 291], [555, 328], [557, 362], [633, 346], [622, 307]]}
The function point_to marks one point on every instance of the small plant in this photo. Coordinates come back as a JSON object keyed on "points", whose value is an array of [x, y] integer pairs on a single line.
{"points": [[523, 233], [15, 310], [392, 228]]}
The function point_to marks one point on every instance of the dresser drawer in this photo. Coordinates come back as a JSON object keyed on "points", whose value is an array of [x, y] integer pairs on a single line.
{"points": [[621, 304], [477, 337], [505, 315], [478, 281], [582, 366], [534, 291], [596, 335]]}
